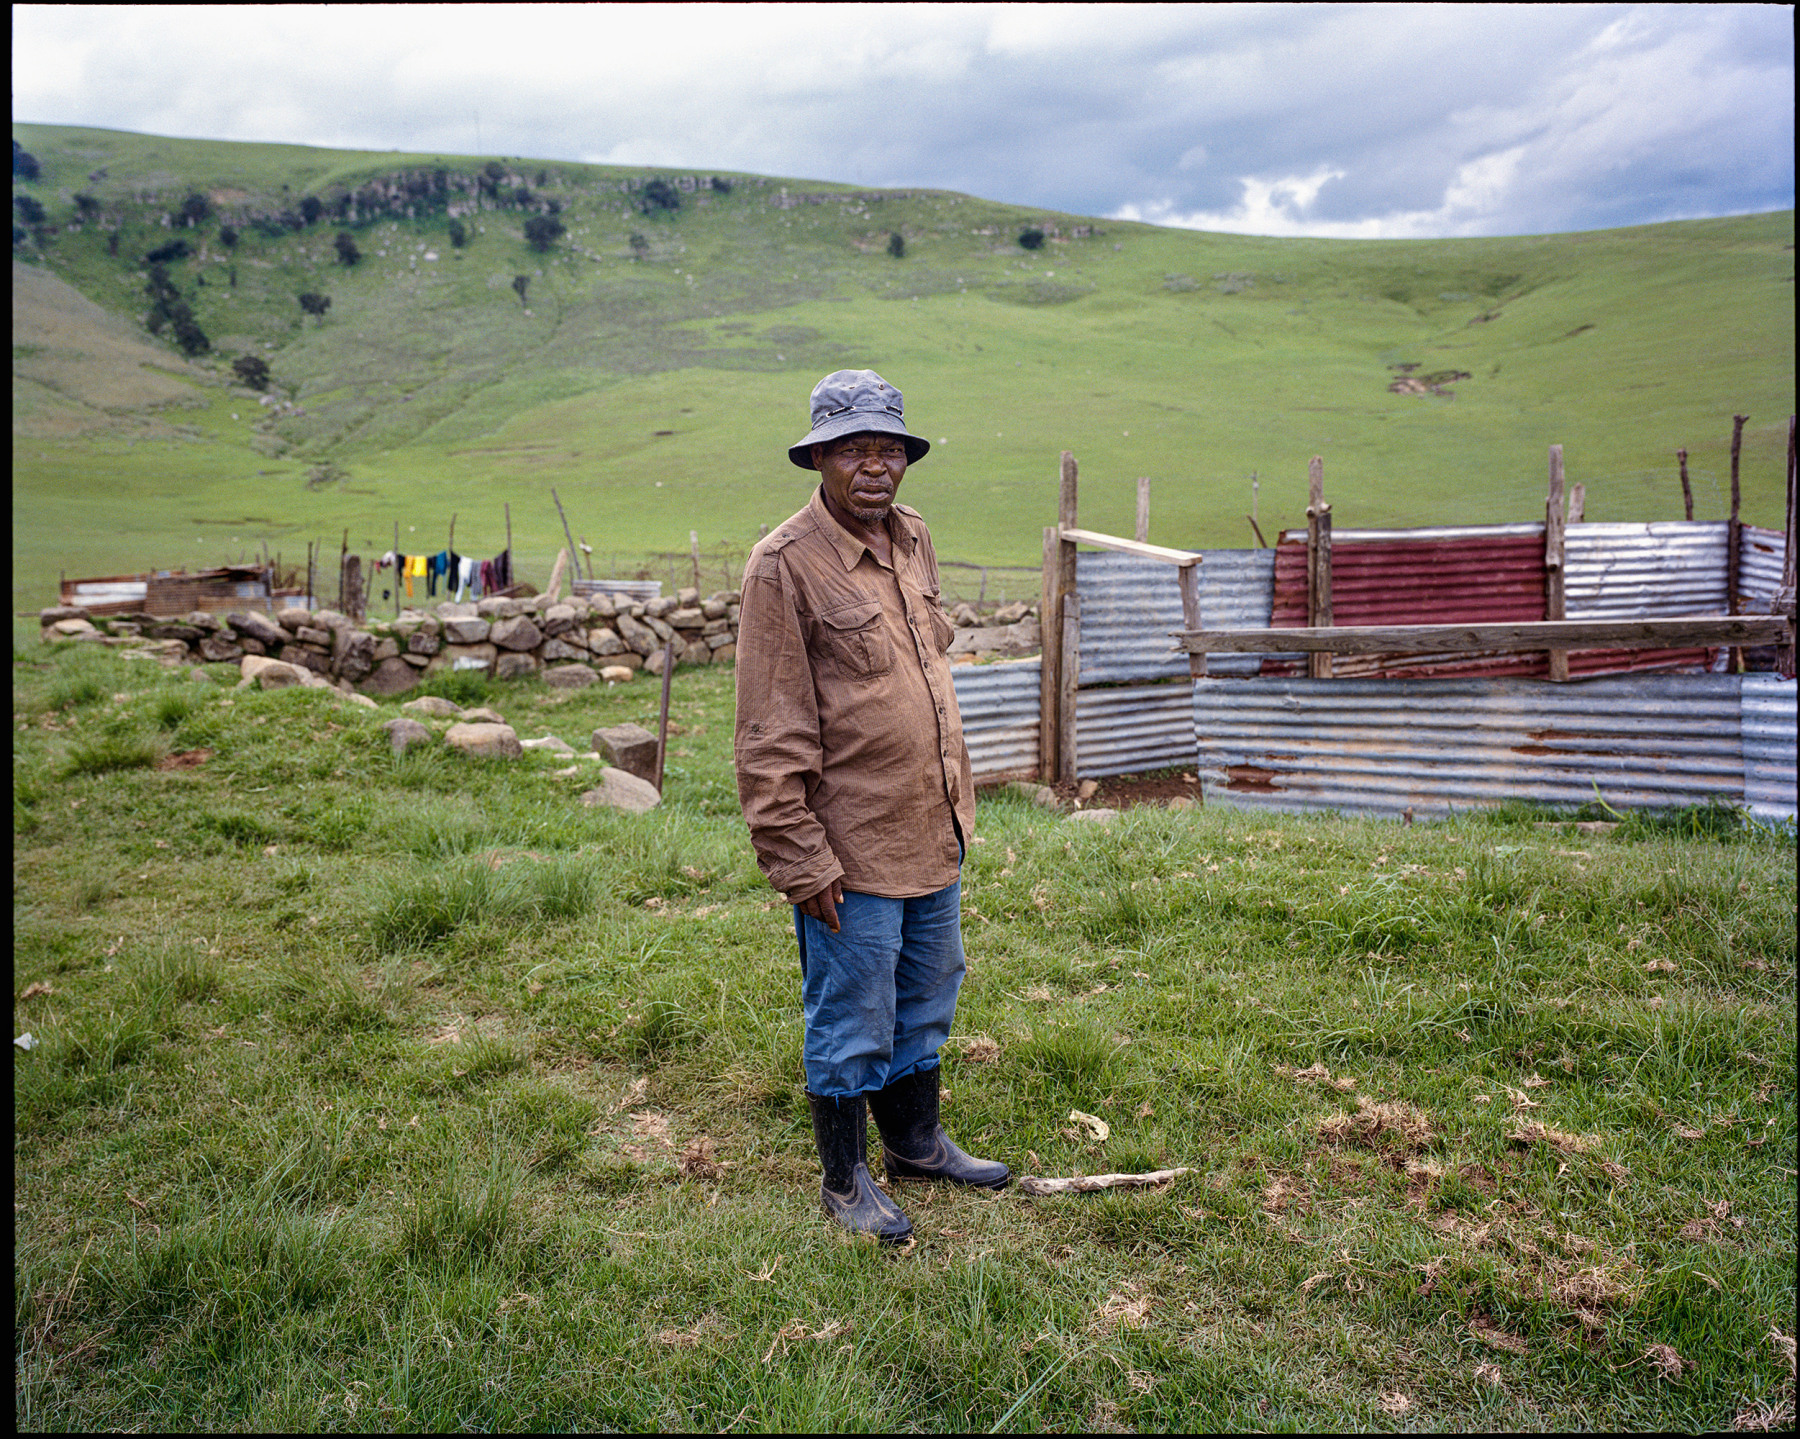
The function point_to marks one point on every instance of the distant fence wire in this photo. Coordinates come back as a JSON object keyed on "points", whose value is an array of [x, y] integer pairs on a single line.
{"points": [[720, 567]]}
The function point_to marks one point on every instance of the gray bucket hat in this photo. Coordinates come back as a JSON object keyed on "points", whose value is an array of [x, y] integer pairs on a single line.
{"points": [[852, 402]]}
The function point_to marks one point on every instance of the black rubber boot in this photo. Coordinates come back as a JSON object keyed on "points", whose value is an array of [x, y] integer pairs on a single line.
{"points": [[847, 1193], [914, 1145]]}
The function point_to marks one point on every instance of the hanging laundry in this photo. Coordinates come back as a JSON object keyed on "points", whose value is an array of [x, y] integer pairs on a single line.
{"points": [[462, 573], [434, 569], [502, 564], [414, 565]]}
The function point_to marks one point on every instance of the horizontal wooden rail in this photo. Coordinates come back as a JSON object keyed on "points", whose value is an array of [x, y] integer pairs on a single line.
{"points": [[1128, 547], [1539, 635]]}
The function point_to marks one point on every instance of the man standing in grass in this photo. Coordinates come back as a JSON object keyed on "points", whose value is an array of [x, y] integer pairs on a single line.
{"points": [[856, 785]]}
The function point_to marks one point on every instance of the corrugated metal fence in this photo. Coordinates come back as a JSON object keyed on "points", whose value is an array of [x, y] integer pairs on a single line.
{"points": [[1771, 734], [1384, 746], [1000, 717]]}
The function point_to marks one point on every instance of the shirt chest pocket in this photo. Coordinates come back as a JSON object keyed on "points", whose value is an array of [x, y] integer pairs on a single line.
{"points": [[857, 641]]}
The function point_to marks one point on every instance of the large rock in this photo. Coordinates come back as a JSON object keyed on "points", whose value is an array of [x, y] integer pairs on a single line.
{"points": [[514, 665], [605, 642], [292, 617], [260, 628], [329, 619], [269, 674], [69, 628], [569, 677], [386, 648], [423, 642], [725, 655], [187, 634], [714, 608], [61, 612], [307, 658], [561, 649], [549, 744], [481, 714], [686, 618], [499, 607], [307, 635], [631, 747], [601, 606], [660, 606], [617, 674], [404, 733], [560, 619], [350, 647], [638, 636], [458, 610], [201, 620], [1012, 614], [466, 630], [220, 649], [390, 677], [619, 790], [484, 741], [517, 633], [434, 705], [698, 652], [463, 657]]}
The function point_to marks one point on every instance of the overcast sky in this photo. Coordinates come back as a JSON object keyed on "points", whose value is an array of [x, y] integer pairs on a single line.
{"points": [[1342, 120]]}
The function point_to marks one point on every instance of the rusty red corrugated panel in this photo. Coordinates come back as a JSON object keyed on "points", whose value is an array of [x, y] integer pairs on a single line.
{"points": [[1467, 577]]}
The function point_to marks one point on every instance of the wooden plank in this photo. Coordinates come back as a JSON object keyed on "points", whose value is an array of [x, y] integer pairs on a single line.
{"points": [[1679, 633], [1098, 541], [1318, 524], [1068, 682], [1554, 592], [1050, 664], [1188, 576], [1142, 532]]}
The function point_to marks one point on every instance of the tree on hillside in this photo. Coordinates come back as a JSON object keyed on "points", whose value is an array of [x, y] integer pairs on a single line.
{"points": [[543, 231], [347, 252], [897, 245], [86, 205], [640, 247], [164, 254], [659, 195], [722, 185], [252, 371], [188, 334], [459, 235], [25, 164], [521, 283], [315, 304], [543, 179], [1032, 239], [521, 196], [228, 237], [29, 210], [195, 209], [311, 208]]}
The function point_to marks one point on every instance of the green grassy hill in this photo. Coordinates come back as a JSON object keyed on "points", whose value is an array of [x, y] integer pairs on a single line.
{"points": [[657, 388]]}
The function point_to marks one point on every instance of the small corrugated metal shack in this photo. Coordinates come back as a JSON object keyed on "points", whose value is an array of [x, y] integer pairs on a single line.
{"points": [[174, 592]]}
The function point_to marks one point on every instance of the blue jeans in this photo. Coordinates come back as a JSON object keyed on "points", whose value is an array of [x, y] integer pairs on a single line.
{"points": [[880, 994]]}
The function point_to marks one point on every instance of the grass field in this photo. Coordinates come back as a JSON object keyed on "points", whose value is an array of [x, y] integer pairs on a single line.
{"points": [[377, 1094], [658, 394]]}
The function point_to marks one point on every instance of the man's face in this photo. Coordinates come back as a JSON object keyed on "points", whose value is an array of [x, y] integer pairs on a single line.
{"points": [[862, 474]]}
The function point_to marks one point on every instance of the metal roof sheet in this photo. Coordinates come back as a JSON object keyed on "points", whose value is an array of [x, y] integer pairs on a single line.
{"points": [[1131, 607], [1383, 746], [1770, 740]]}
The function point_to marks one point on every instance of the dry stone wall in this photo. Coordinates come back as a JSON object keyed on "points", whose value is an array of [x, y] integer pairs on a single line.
{"points": [[569, 643]]}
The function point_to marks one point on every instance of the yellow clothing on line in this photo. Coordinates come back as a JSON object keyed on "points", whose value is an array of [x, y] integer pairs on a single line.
{"points": [[415, 565]]}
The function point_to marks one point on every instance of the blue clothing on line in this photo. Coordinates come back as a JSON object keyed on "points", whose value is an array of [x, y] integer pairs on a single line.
{"points": [[880, 995]]}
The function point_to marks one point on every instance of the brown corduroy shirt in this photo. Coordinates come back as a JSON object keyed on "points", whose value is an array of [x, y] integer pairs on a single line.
{"points": [[850, 756]]}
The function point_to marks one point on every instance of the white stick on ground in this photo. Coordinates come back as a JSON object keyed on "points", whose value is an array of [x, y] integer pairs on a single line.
{"points": [[1089, 1183]]}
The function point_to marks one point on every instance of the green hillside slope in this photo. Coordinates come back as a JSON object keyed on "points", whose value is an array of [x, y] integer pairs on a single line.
{"points": [[656, 387]]}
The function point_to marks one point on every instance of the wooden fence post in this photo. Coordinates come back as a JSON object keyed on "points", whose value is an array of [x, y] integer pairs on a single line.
{"points": [[1734, 542], [399, 578], [1787, 555], [694, 552], [1143, 510], [1318, 563], [1554, 598], [1577, 504], [1050, 635], [1687, 490], [1188, 576]]}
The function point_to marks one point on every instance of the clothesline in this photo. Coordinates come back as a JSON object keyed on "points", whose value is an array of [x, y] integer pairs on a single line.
{"points": [[462, 573]]}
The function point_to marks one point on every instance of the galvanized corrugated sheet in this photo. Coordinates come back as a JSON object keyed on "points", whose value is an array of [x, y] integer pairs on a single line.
{"points": [[1442, 574], [1770, 740], [1130, 607], [639, 590], [1644, 569], [1134, 728], [999, 708], [1759, 568], [1382, 746]]}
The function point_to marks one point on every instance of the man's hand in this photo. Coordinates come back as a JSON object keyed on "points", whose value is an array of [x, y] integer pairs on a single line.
{"points": [[823, 905]]}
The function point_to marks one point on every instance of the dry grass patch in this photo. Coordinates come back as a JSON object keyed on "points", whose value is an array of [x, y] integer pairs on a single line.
{"points": [[1377, 1125]]}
